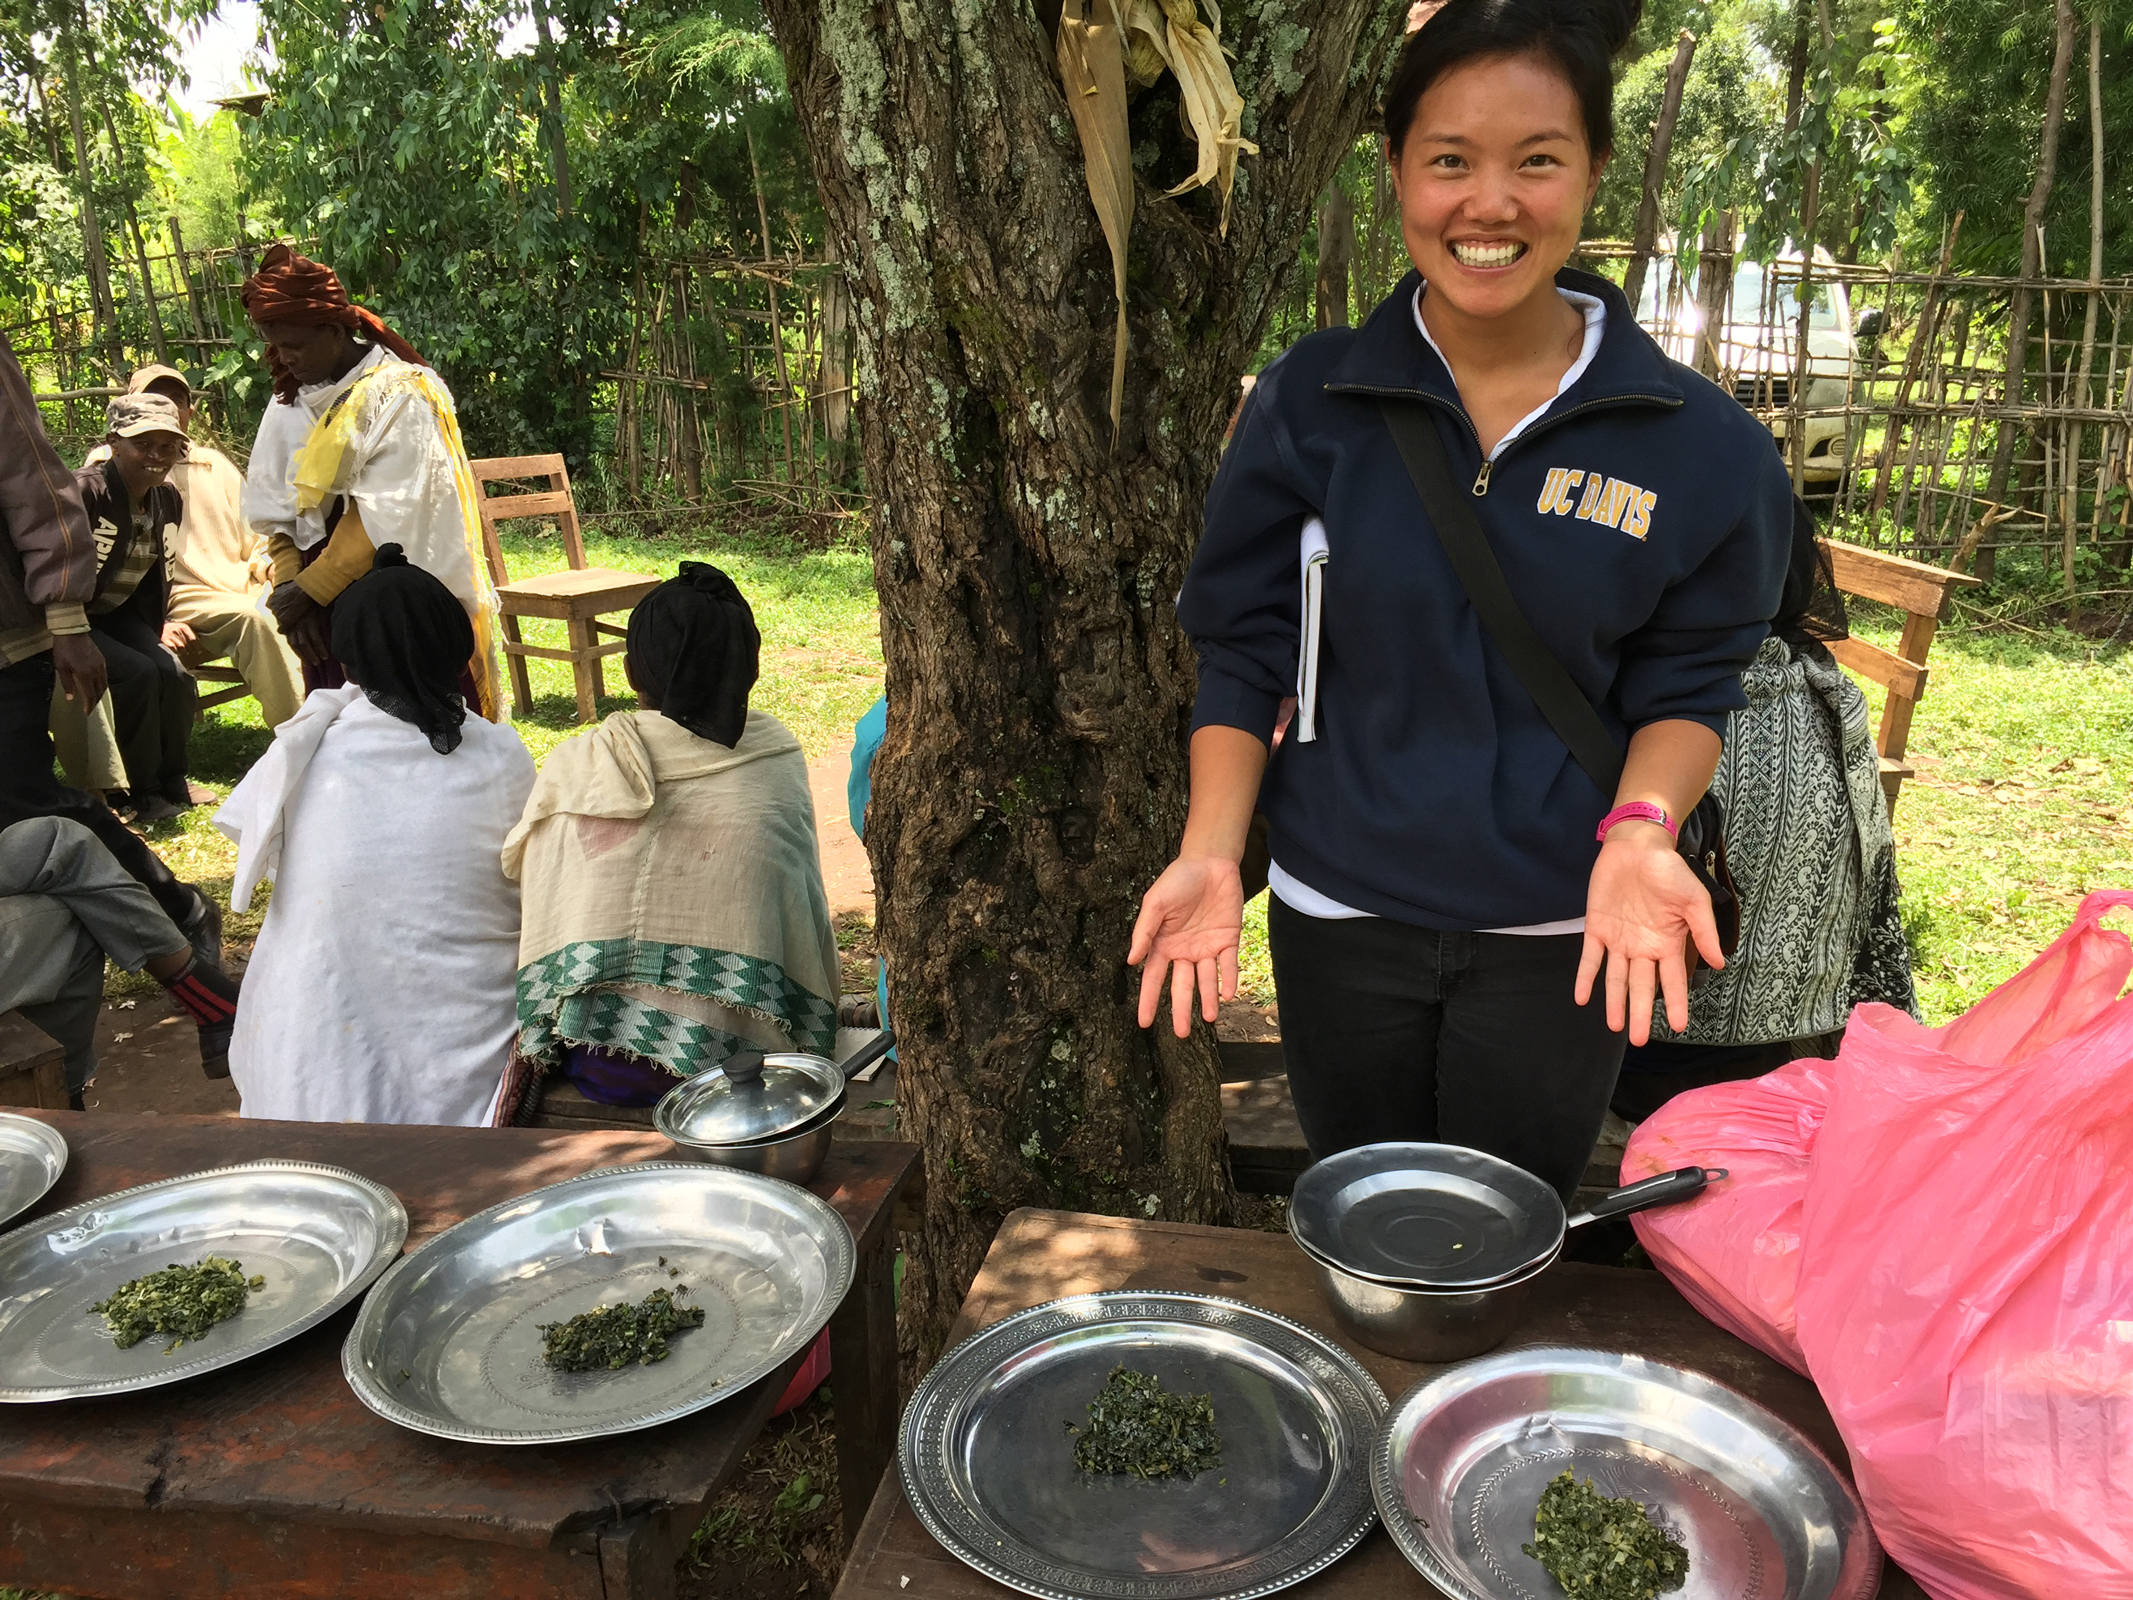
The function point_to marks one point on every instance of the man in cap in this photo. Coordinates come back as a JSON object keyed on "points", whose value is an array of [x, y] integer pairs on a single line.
{"points": [[47, 576], [218, 566], [132, 509]]}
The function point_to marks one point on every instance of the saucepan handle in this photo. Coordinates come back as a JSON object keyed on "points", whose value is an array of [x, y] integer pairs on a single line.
{"points": [[867, 1054], [1669, 1188]]}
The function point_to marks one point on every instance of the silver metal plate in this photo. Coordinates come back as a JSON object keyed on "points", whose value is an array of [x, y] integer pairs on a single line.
{"points": [[319, 1236], [449, 1342], [1464, 1458], [1438, 1216], [988, 1465], [32, 1156]]}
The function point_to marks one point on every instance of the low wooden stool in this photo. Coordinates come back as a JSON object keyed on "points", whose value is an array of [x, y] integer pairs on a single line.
{"points": [[33, 1068]]}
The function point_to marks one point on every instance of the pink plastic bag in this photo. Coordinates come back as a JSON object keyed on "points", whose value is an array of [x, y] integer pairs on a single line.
{"points": [[1735, 1252], [1966, 1293], [1938, 1228]]}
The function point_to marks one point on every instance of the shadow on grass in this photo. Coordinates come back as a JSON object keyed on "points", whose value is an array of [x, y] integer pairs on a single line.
{"points": [[222, 751]]}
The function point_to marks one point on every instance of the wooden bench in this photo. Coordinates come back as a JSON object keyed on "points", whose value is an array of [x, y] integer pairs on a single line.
{"points": [[33, 1068], [1923, 594]]}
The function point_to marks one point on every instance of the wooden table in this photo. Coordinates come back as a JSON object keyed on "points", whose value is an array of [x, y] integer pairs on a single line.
{"points": [[271, 1479], [1040, 1255]]}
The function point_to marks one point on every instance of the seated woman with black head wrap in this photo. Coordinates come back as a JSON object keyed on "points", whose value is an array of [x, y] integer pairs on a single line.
{"points": [[381, 987], [674, 910]]}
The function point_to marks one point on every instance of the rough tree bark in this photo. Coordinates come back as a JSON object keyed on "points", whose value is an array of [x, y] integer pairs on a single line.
{"points": [[1033, 779], [2040, 193]]}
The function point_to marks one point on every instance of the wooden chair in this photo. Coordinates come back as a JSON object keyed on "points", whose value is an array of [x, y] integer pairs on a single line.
{"points": [[217, 673], [1922, 593], [577, 598]]}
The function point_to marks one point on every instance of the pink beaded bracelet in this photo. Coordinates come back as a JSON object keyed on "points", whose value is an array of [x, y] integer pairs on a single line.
{"points": [[1639, 811]]}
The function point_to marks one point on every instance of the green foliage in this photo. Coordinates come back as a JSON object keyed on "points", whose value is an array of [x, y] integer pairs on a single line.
{"points": [[423, 160], [1731, 103], [1973, 95], [202, 181]]}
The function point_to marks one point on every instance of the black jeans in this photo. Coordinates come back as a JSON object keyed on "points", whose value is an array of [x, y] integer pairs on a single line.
{"points": [[152, 701], [30, 788], [1396, 1032]]}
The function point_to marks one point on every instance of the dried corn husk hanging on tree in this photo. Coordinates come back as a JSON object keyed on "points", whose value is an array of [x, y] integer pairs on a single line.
{"points": [[1109, 47]]}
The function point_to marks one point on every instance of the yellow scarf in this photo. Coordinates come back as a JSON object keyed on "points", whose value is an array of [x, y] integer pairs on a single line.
{"points": [[316, 474]]}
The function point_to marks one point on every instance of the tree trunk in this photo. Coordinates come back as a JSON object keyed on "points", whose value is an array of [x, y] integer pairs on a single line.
{"points": [[1714, 293], [2069, 519], [1796, 66], [552, 108], [92, 233], [2040, 194], [1336, 257], [1647, 237], [1033, 780]]}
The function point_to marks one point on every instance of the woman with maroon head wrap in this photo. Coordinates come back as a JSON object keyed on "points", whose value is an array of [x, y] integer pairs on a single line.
{"points": [[360, 448]]}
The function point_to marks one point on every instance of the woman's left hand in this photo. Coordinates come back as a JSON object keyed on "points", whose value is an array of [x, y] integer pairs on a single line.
{"points": [[1642, 907]]}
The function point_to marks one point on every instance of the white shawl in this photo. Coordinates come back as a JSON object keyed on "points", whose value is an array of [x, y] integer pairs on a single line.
{"points": [[381, 988]]}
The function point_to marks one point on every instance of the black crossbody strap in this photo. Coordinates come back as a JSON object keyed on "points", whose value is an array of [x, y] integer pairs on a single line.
{"points": [[1569, 712]]}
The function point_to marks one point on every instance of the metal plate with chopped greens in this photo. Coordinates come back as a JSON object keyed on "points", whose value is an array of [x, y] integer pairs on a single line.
{"points": [[1467, 1458], [315, 1237], [456, 1340], [1215, 1450]]}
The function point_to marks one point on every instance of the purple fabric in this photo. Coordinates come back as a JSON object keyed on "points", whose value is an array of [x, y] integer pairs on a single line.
{"points": [[615, 1079]]}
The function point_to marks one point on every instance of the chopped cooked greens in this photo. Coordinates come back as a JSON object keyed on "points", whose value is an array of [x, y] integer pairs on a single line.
{"points": [[181, 1302], [611, 1337], [1602, 1549], [1135, 1427]]}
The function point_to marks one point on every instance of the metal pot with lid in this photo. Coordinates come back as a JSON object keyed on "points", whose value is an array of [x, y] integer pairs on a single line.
{"points": [[769, 1113], [754, 1096], [1427, 1251]]}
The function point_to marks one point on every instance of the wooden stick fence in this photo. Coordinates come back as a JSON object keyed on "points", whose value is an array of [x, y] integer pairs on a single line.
{"points": [[175, 306], [736, 380], [738, 376], [1894, 405]]}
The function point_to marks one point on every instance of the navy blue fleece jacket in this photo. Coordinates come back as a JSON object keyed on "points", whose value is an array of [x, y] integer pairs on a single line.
{"points": [[1643, 524]]}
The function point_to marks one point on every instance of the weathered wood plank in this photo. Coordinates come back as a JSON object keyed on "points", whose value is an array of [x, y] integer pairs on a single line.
{"points": [[1893, 580], [1905, 680]]}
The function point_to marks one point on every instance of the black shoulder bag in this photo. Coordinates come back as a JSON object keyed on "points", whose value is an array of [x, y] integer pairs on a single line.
{"points": [[1573, 717]]}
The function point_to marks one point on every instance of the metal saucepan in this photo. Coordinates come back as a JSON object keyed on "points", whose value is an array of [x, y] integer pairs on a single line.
{"points": [[771, 1114], [1427, 1252]]}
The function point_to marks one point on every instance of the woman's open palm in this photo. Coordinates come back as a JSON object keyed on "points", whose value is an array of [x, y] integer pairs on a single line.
{"points": [[1191, 920]]}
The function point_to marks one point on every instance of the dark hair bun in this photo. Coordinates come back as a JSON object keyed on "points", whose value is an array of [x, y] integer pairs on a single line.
{"points": [[1614, 20], [1579, 38]]}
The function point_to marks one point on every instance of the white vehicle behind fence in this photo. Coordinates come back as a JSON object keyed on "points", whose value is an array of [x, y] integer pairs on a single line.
{"points": [[1755, 349]]}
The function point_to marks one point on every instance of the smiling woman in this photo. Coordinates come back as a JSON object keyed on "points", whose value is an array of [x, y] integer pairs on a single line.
{"points": [[1449, 880]]}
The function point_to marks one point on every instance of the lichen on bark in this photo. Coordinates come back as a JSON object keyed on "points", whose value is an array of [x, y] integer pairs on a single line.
{"points": [[1032, 781]]}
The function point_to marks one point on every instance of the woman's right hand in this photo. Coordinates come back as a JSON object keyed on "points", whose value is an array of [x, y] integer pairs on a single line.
{"points": [[1191, 921]]}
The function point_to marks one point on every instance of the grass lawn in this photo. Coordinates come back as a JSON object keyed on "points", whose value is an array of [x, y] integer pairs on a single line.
{"points": [[2024, 745], [2024, 750]]}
